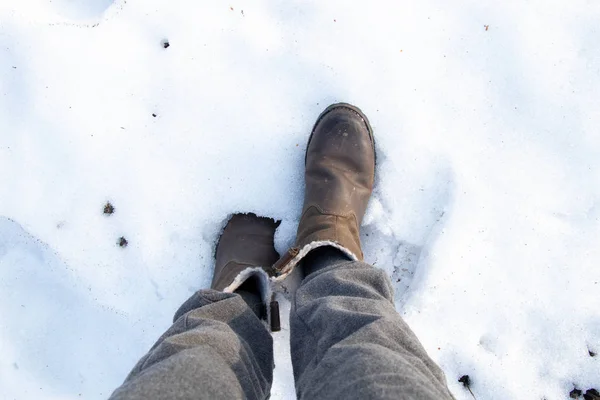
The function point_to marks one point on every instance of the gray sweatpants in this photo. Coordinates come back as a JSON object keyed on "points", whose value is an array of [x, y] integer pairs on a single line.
{"points": [[347, 342]]}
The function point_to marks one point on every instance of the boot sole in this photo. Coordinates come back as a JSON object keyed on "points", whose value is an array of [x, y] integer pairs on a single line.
{"points": [[352, 108]]}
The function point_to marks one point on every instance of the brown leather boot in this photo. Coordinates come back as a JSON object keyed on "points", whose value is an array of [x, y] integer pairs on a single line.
{"points": [[246, 250], [340, 172]]}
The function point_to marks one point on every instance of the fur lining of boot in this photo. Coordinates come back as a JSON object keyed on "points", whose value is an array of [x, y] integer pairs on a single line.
{"points": [[295, 255], [264, 286]]}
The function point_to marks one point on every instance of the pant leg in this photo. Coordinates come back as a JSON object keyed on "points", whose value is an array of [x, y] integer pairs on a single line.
{"points": [[216, 349], [348, 341]]}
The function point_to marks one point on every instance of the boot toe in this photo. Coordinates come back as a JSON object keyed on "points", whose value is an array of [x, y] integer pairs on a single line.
{"points": [[343, 118], [343, 129]]}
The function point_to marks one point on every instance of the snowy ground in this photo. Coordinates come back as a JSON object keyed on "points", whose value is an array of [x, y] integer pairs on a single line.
{"points": [[486, 213]]}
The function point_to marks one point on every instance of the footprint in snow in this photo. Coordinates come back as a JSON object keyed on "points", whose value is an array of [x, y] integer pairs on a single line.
{"points": [[397, 240]]}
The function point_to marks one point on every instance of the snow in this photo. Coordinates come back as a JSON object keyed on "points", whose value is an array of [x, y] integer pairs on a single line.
{"points": [[485, 213]]}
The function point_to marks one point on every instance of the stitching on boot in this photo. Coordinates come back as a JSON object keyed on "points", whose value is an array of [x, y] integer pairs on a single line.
{"points": [[325, 212]]}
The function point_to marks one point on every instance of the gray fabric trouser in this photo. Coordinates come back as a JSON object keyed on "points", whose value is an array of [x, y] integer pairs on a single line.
{"points": [[347, 342]]}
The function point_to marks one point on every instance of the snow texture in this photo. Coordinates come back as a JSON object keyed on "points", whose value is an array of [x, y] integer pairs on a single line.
{"points": [[486, 211]]}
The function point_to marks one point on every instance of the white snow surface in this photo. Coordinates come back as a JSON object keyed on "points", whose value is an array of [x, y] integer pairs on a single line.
{"points": [[486, 211]]}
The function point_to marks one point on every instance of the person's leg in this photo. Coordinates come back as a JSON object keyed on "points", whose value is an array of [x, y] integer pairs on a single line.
{"points": [[348, 341], [218, 347]]}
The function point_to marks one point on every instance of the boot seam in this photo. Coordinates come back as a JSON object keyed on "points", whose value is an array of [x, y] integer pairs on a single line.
{"points": [[335, 225], [324, 212]]}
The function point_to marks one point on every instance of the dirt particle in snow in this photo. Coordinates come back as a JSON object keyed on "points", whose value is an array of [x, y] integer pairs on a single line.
{"points": [[487, 27], [575, 393], [109, 209], [231, 8], [592, 353], [466, 381], [154, 115], [165, 44], [591, 394], [122, 242]]}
